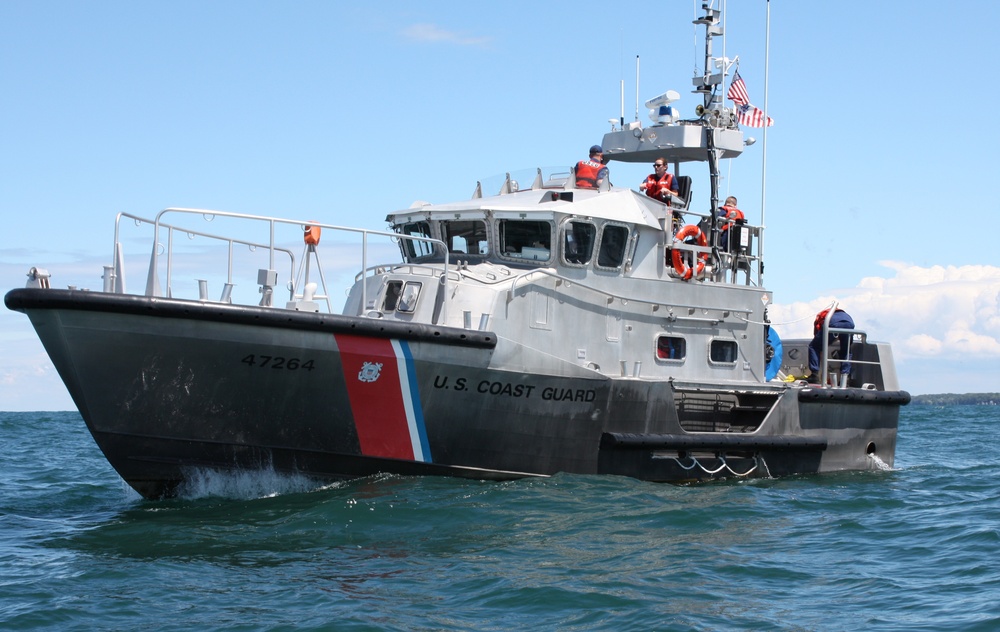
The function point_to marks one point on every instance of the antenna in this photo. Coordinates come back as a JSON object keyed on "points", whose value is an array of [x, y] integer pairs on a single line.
{"points": [[637, 87], [623, 104], [763, 171], [621, 69]]}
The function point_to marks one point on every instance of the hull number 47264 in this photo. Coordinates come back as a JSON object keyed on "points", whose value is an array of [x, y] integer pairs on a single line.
{"points": [[277, 362]]}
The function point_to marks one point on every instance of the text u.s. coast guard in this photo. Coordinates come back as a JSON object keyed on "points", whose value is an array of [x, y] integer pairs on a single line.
{"points": [[511, 389]]}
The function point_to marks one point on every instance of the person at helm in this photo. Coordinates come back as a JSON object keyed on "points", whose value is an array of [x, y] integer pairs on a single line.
{"points": [[660, 184], [591, 173]]}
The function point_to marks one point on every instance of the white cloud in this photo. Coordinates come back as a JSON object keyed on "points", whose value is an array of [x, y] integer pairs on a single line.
{"points": [[434, 33], [922, 344], [947, 311]]}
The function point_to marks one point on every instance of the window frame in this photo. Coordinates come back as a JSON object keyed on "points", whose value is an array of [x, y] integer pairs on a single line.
{"points": [[386, 295], [726, 363], [656, 348], [416, 299], [409, 246], [447, 236], [565, 232], [501, 233], [599, 249]]}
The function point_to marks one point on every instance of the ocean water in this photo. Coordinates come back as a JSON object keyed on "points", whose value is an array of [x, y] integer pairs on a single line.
{"points": [[915, 548]]}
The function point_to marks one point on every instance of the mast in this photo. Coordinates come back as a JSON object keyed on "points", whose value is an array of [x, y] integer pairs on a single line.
{"points": [[707, 85]]}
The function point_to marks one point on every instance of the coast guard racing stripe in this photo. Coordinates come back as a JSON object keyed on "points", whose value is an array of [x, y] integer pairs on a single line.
{"points": [[385, 402]]}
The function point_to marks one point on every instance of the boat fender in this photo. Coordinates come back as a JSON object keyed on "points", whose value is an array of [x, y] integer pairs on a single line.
{"points": [[311, 236], [681, 266], [773, 354]]}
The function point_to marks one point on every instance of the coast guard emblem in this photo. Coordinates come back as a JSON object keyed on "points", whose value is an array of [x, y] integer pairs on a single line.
{"points": [[369, 371]]}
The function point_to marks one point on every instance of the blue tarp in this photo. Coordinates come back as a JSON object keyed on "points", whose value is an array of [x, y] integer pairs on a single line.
{"points": [[774, 365]]}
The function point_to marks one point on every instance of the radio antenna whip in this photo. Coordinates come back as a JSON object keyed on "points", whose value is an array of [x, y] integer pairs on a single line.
{"points": [[637, 87]]}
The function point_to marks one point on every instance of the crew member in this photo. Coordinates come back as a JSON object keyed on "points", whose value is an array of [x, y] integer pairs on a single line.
{"points": [[839, 320], [660, 184], [728, 215], [591, 173]]}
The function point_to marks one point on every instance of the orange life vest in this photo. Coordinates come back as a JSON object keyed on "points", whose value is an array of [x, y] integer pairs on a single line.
{"points": [[658, 188], [587, 172], [820, 318], [732, 214]]}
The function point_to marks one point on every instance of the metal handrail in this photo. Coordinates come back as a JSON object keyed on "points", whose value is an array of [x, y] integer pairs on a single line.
{"points": [[619, 297], [169, 250], [726, 259], [825, 362], [824, 365], [272, 222]]}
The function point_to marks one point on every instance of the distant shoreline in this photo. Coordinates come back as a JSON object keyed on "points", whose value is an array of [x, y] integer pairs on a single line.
{"points": [[957, 399]]}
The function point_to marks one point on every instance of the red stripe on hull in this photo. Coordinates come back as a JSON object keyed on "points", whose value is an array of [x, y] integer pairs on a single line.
{"points": [[377, 404]]}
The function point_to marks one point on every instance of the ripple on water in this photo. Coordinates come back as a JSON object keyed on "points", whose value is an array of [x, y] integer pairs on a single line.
{"points": [[910, 548]]}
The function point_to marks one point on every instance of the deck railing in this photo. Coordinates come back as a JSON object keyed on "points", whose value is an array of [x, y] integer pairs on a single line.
{"points": [[741, 256], [114, 273], [825, 360]]}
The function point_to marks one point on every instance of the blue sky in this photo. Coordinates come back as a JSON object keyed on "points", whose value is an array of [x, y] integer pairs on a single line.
{"points": [[879, 187]]}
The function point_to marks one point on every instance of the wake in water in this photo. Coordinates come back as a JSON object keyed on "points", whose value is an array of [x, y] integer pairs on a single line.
{"points": [[244, 484]]}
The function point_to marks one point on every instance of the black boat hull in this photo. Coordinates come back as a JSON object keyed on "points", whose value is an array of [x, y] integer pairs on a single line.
{"points": [[168, 386]]}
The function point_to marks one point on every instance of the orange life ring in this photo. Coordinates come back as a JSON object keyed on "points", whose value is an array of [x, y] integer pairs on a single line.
{"points": [[311, 236], [680, 266]]}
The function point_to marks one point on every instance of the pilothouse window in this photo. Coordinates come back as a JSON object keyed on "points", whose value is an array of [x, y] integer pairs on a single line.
{"points": [[579, 242], [613, 241], [416, 249], [530, 240], [466, 237]]}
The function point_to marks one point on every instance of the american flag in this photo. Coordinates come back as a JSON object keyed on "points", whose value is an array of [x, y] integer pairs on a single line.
{"points": [[752, 116], [738, 90]]}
